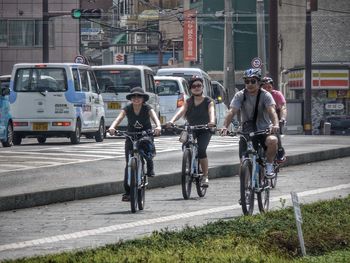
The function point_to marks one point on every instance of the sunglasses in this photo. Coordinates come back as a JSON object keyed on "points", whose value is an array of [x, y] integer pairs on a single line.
{"points": [[247, 81], [136, 96], [196, 86]]}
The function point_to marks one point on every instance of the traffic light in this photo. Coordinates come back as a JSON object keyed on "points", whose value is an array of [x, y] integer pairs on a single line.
{"points": [[86, 13]]}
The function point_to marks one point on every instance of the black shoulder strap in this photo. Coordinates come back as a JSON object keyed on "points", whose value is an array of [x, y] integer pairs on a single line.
{"points": [[256, 107]]}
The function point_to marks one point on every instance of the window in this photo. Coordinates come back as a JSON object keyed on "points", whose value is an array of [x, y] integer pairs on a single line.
{"points": [[84, 80], [94, 87], [3, 33], [76, 80], [23, 33], [40, 80]]}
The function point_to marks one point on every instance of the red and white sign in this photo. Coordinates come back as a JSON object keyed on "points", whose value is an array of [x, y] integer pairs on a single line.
{"points": [[119, 58], [256, 62], [190, 35]]}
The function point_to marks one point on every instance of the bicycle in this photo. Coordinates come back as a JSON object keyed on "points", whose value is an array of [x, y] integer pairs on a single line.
{"points": [[137, 178], [253, 179], [191, 171]]}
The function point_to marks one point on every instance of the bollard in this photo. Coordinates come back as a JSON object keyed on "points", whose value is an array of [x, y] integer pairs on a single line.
{"points": [[327, 128]]}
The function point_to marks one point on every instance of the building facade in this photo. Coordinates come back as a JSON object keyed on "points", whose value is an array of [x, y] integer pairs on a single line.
{"points": [[330, 56], [21, 32]]}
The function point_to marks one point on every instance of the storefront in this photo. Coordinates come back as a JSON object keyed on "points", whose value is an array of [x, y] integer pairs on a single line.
{"points": [[330, 91]]}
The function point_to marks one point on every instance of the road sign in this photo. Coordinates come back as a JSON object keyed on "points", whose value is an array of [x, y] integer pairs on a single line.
{"points": [[256, 62], [81, 60]]}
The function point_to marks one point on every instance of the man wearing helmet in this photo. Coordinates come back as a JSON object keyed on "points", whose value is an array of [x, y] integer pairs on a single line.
{"points": [[198, 110], [257, 111], [281, 109]]}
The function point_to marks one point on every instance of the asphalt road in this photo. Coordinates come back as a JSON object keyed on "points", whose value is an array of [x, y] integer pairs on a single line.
{"points": [[98, 221], [57, 171]]}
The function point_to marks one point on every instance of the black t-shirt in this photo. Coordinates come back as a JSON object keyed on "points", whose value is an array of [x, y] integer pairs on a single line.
{"points": [[139, 122], [197, 115]]}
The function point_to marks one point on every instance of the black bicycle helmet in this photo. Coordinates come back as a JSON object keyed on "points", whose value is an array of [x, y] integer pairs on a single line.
{"points": [[252, 73], [193, 79], [267, 80]]}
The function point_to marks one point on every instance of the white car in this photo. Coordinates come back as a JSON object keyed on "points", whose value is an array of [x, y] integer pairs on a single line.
{"points": [[172, 92], [116, 81]]}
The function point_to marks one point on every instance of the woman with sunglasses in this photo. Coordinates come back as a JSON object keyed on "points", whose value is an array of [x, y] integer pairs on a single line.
{"points": [[198, 110], [139, 115], [258, 113]]}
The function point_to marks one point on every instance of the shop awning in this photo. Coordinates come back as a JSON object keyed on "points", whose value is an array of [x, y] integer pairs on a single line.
{"points": [[149, 14], [120, 39]]}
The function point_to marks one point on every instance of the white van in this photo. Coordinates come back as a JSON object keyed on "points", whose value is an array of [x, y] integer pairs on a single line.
{"points": [[172, 92], [116, 81], [56, 100], [208, 89]]}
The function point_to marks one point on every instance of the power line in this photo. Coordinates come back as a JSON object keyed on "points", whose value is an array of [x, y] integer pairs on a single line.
{"points": [[323, 9]]}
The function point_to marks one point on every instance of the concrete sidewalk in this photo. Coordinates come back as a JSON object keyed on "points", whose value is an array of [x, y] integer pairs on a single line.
{"points": [[300, 149]]}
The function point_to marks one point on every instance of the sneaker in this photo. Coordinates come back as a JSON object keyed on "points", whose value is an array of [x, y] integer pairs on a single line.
{"points": [[270, 173], [280, 155], [150, 173], [126, 198], [205, 181]]}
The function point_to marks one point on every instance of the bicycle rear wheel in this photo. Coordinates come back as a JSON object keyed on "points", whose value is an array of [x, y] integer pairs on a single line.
{"points": [[247, 189], [133, 185], [263, 195], [186, 178]]}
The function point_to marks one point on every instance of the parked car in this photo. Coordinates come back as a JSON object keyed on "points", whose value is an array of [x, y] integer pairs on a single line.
{"points": [[172, 92], [56, 100], [116, 81], [339, 125], [6, 124]]}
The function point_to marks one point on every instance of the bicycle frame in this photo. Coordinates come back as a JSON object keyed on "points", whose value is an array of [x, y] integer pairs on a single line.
{"points": [[252, 156]]}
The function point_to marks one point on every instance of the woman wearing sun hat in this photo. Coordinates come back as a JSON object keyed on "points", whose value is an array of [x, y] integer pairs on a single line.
{"points": [[139, 115]]}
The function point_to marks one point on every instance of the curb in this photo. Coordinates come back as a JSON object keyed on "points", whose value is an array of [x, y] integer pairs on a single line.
{"points": [[110, 188]]}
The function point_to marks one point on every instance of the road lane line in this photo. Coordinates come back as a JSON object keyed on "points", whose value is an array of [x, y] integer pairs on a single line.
{"points": [[102, 230]]}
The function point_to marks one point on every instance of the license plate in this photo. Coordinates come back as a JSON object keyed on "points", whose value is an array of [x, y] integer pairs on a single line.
{"points": [[40, 126], [113, 105]]}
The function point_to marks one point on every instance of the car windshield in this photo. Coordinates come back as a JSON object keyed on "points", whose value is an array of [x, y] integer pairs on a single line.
{"points": [[167, 87], [40, 79], [120, 80]]}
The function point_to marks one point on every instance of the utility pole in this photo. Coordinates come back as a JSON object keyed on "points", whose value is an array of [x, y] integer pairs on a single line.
{"points": [[45, 31], [229, 70], [261, 34], [308, 71], [273, 42]]}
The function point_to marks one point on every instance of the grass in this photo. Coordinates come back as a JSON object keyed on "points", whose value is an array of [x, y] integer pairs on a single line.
{"points": [[270, 237]]}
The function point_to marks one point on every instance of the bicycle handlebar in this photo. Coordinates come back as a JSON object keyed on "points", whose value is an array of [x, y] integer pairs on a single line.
{"points": [[250, 134]]}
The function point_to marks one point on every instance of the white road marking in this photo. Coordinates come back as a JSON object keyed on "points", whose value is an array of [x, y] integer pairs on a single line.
{"points": [[70, 154], [102, 230]]}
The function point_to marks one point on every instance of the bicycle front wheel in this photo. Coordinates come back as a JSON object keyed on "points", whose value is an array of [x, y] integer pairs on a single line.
{"points": [[186, 178], [133, 185], [273, 181], [263, 194], [141, 193], [247, 189], [201, 190]]}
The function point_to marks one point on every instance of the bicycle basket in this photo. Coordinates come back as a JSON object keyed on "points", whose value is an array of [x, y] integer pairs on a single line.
{"points": [[183, 136]]}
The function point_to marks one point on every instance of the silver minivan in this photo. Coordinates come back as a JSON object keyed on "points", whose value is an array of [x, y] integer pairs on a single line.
{"points": [[208, 89], [172, 92], [116, 81]]}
